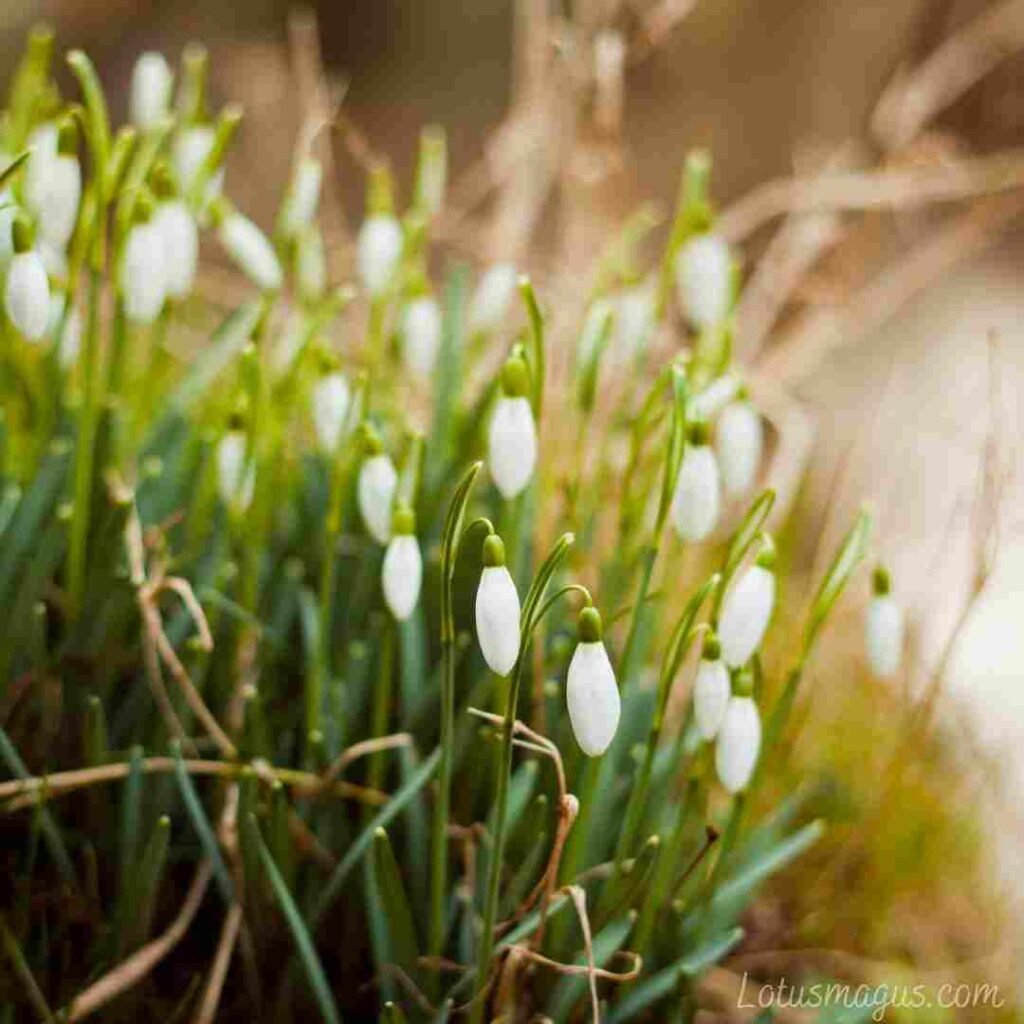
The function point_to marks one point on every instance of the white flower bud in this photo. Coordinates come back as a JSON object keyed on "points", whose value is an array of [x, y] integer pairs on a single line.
{"points": [[402, 575], [421, 334], [143, 275], [746, 611], [236, 474], [375, 493], [492, 297], [149, 97], [331, 399], [191, 147], [739, 441], [311, 265], [696, 500], [497, 611], [53, 190], [251, 250], [27, 295], [706, 404], [303, 196], [739, 744], [177, 228], [378, 250], [883, 635], [704, 279], [593, 698], [512, 445], [634, 319], [711, 692]]}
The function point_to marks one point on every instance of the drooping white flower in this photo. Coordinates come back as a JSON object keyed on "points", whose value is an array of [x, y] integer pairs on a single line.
{"points": [[402, 572], [746, 611], [251, 250], [378, 250], [706, 404], [739, 744], [177, 228], [192, 145], [592, 693], [143, 277], [290, 340], [704, 279], [634, 319], [883, 628], [149, 96], [739, 441], [53, 188], [303, 196], [421, 334], [512, 435], [236, 473], [331, 400], [497, 610], [27, 294], [493, 295], [375, 494], [711, 692], [310, 264], [696, 500]]}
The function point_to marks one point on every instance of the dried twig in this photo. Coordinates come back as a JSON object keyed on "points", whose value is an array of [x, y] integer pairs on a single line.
{"points": [[365, 747], [221, 961]]}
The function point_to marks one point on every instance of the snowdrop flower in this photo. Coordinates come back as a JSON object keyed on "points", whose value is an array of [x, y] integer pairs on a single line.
{"points": [[236, 473], [711, 690], [704, 280], [53, 187], [696, 500], [303, 196], [739, 738], [421, 334], [512, 437], [379, 246], [180, 236], [149, 96], [310, 264], [747, 609], [402, 572], [591, 691], [497, 610], [331, 400], [634, 318], [191, 148], [492, 297], [27, 295], [739, 441], [707, 404], [883, 628], [250, 249], [143, 279], [375, 490]]}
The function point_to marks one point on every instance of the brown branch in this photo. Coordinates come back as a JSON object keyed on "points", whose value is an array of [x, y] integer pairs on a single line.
{"points": [[361, 749], [221, 961]]}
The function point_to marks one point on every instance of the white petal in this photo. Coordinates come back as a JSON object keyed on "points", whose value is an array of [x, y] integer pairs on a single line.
{"points": [[252, 251], [27, 295], [883, 635], [492, 297], [150, 92], [379, 248], [634, 319], [180, 236], [739, 744], [421, 334], [746, 611], [143, 278], [739, 440], [375, 492], [236, 474], [512, 445], [191, 147], [706, 404], [711, 693], [53, 190], [497, 619], [300, 206], [593, 698], [331, 399], [402, 575], [696, 501], [311, 265], [704, 279]]}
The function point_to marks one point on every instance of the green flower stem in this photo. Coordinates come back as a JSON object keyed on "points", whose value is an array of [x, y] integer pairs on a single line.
{"points": [[382, 697]]}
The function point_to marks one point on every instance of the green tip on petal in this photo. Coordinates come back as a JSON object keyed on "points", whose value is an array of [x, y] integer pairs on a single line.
{"points": [[372, 442], [403, 522], [588, 626], [881, 582], [697, 432], [494, 551], [23, 234], [712, 649], [767, 556], [515, 379], [743, 683], [67, 137]]}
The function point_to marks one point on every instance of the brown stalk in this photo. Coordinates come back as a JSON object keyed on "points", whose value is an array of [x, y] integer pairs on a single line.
{"points": [[131, 971], [221, 961], [361, 749]]}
